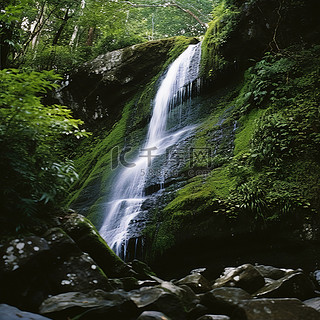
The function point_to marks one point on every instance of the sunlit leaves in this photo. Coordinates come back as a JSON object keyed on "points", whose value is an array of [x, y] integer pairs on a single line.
{"points": [[33, 172]]}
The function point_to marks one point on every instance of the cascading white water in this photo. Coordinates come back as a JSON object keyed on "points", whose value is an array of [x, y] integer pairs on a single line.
{"points": [[128, 195]]}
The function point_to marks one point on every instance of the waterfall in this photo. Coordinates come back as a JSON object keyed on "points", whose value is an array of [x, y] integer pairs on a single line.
{"points": [[128, 195]]}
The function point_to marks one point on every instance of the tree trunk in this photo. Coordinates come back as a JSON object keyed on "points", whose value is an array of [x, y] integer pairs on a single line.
{"points": [[76, 27], [90, 37], [63, 24], [35, 40], [5, 35], [36, 30]]}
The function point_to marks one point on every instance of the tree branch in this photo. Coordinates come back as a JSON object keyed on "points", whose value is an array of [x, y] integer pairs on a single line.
{"points": [[168, 4], [274, 38]]}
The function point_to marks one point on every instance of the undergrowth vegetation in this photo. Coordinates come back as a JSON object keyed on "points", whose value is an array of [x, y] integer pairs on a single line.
{"points": [[34, 172], [274, 171]]}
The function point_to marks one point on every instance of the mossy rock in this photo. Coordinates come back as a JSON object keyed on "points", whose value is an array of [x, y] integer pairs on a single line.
{"points": [[86, 236]]}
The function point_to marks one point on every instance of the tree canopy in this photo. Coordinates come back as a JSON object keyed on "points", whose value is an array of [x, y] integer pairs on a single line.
{"points": [[53, 34]]}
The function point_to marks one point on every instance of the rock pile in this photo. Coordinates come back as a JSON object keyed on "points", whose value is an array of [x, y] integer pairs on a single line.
{"points": [[70, 272]]}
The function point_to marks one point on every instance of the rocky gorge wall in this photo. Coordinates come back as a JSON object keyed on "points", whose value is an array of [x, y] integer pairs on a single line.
{"points": [[255, 192]]}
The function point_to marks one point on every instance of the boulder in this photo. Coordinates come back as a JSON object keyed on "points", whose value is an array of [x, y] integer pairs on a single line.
{"points": [[246, 277], [196, 281], [224, 300], [86, 236], [198, 270], [23, 270], [184, 293], [19, 253], [159, 299], [214, 317], [272, 272], [198, 311], [274, 309], [153, 315], [33, 268], [11, 313], [96, 304], [71, 269], [61, 244], [296, 285], [143, 271], [313, 303], [315, 276], [147, 283], [79, 273]]}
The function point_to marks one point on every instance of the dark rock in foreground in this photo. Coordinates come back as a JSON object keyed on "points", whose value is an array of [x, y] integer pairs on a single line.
{"points": [[196, 282], [11, 313], [275, 309], [224, 300], [86, 236], [214, 317], [153, 315], [93, 305], [72, 273], [246, 277], [295, 285], [313, 303]]}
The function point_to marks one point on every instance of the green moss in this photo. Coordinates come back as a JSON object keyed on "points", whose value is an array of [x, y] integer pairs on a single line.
{"points": [[82, 231], [268, 124], [224, 17], [97, 163], [221, 182], [164, 238], [244, 135], [180, 44]]}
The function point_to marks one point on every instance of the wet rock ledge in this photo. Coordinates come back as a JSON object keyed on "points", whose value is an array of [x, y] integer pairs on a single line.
{"points": [[70, 273]]}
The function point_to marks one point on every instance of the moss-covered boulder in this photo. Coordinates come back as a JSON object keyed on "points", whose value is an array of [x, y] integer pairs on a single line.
{"points": [[98, 90], [242, 31], [86, 236]]}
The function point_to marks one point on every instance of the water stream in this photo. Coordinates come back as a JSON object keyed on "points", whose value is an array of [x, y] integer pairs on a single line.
{"points": [[128, 195]]}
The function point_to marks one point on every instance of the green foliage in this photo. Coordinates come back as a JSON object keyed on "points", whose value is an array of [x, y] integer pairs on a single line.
{"points": [[33, 173], [59, 58], [224, 19], [61, 35], [271, 140], [95, 163], [274, 172], [251, 197]]}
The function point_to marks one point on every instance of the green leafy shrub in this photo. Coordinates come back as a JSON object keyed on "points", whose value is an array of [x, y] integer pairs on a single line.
{"points": [[62, 59], [272, 141], [33, 173]]}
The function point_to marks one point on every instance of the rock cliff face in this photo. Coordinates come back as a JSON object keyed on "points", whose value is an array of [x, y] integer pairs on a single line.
{"points": [[255, 198], [241, 36], [99, 89]]}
